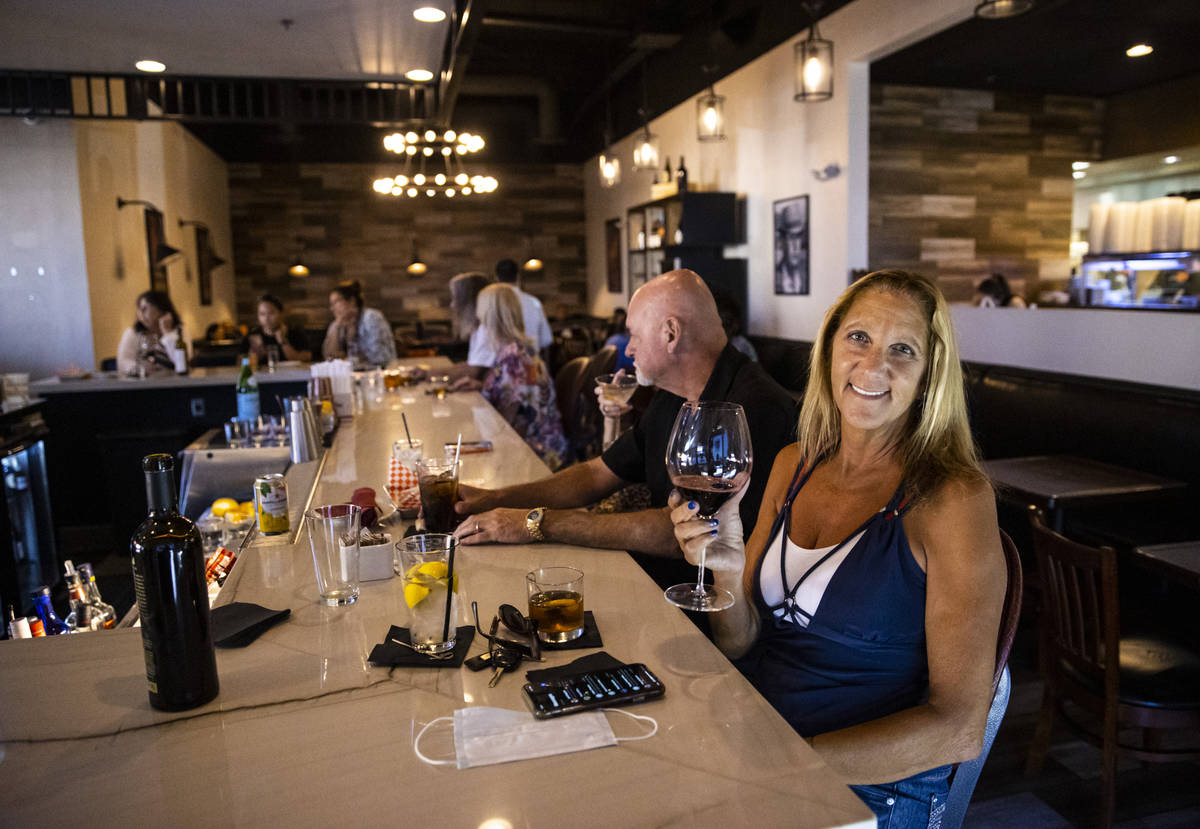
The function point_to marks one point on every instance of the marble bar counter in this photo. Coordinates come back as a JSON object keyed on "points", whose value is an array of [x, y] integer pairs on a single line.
{"points": [[305, 732]]}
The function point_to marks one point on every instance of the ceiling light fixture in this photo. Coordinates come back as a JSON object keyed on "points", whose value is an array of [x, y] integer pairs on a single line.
{"points": [[419, 75], [429, 14], [646, 150], [1139, 50], [416, 267], [710, 114], [420, 150], [1171, 159], [532, 264], [147, 65], [1000, 9], [813, 63]]}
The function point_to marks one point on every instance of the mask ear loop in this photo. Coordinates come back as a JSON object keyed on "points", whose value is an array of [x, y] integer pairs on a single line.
{"points": [[651, 720], [421, 733]]}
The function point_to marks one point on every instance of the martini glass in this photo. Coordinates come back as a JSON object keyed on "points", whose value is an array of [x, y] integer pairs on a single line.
{"points": [[616, 389], [709, 458]]}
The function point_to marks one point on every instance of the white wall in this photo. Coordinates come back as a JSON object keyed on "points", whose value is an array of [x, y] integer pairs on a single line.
{"points": [[45, 324], [772, 146]]}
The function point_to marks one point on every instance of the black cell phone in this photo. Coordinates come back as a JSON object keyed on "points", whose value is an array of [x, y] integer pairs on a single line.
{"points": [[624, 685]]}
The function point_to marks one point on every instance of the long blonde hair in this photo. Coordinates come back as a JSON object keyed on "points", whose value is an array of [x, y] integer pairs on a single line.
{"points": [[936, 444], [499, 312]]}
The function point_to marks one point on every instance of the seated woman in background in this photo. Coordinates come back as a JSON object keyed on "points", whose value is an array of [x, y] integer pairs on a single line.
{"points": [[482, 349], [868, 597], [146, 345], [359, 334], [272, 335], [994, 292], [517, 383]]}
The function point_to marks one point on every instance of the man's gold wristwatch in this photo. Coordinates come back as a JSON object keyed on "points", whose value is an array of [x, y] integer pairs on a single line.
{"points": [[533, 523]]}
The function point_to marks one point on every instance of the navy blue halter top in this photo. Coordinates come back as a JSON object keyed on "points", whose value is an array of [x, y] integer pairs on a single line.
{"points": [[862, 654]]}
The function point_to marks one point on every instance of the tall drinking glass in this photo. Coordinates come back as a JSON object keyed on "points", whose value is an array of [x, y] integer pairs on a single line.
{"points": [[709, 458], [333, 535]]}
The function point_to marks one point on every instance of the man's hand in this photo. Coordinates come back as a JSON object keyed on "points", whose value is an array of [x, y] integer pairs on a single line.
{"points": [[473, 499], [498, 526]]}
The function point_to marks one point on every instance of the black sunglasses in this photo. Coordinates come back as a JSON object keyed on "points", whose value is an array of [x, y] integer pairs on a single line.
{"points": [[516, 623]]}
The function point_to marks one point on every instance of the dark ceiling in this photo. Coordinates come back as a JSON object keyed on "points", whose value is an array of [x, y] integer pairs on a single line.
{"points": [[1071, 47]]}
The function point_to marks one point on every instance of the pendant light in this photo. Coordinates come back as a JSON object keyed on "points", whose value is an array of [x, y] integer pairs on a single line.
{"points": [[646, 151], [710, 116], [1000, 9], [532, 264], [298, 269], [814, 64], [609, 164], [416, 267]]}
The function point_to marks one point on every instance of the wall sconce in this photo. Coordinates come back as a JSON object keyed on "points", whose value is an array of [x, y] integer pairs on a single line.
{"points": [[999, 9], [210, 259], [416, 267], [828, 172], [161, 250], [814, 64], [710, 116]]}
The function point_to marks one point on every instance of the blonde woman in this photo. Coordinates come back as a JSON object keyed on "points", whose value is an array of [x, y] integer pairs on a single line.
{"points": [[517, 383], [869, 593]]}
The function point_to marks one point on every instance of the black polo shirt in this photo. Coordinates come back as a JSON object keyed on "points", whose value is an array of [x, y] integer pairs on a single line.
{"points": [[639, 455]]}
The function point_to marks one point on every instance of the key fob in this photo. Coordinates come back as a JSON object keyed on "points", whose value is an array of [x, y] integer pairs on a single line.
{"points": [[478, 663]]}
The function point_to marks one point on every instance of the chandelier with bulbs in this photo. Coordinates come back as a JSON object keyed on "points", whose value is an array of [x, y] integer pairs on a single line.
{"points": [[433, 165]]}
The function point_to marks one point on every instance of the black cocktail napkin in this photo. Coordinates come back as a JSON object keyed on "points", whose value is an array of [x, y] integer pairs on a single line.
{"points": [[589, 639], [388, 654], [237, 624], [598, 661]]}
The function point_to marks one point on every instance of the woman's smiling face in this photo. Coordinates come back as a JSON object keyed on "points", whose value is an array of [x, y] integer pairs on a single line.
{"points": [[878, 360]]}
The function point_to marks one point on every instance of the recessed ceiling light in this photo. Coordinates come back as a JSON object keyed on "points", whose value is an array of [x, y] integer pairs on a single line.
{"points": [[150, 65], [1079, 174], [419, 75], [1080, 165], [428, 14], [1139, 50], [1171, 159]]}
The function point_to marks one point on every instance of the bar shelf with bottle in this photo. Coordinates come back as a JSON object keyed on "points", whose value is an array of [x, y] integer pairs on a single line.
{"points": [[688, 230]]}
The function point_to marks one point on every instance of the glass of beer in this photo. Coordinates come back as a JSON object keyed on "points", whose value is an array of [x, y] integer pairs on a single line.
{"points": [[438, 481], [556, 602]]}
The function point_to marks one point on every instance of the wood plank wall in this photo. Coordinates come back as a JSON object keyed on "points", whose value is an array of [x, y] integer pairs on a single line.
{"points": [[351, 232], [965, 183]]}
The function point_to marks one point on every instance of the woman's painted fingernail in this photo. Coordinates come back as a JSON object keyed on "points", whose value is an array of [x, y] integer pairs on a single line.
{"points": [[691, 504], [714, 532]]}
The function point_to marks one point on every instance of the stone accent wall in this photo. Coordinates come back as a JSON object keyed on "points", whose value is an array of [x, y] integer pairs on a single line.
{"points": [[964, 183], [351, 232]]}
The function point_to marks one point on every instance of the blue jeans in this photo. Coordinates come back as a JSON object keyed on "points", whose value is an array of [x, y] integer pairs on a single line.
{"points": [[916, 802]]}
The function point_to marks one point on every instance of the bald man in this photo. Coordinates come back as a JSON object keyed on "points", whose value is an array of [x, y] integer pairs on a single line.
{"points": [[677, 344]]}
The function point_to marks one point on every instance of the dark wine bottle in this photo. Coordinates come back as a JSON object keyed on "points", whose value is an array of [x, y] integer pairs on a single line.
{"points": [[681, 177], [172, 598]]}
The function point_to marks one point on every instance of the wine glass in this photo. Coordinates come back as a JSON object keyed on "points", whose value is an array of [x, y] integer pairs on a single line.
{"points": [[709, 458]]}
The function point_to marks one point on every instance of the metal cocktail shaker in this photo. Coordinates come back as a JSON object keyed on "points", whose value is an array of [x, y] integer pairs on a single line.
{"points": [[306, 445]]}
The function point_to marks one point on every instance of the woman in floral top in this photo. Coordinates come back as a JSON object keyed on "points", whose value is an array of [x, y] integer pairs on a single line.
{"points": [[518, 384]]}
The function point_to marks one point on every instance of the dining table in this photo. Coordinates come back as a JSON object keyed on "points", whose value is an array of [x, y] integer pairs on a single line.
{"points": [[1178, 561], [1057, 482], [306, 731]]}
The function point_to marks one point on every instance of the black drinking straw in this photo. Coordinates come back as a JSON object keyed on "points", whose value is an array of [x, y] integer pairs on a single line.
{"points": [[449, 589], [407, 434]]}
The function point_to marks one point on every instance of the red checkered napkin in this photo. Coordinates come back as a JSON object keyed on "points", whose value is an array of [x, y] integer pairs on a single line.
{"points": [[399, 480]]}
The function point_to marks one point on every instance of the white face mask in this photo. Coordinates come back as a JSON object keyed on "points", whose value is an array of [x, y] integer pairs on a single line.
{"points": [[485, 736]]}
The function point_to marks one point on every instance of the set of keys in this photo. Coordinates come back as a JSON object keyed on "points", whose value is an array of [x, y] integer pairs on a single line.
{"points": [[504, 654]]}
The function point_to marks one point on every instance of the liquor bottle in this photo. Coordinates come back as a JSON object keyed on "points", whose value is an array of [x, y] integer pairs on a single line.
{"points": [[247, 393], [79, 617], [45, 612], [172, 598], [681, 177], [36, 628], [179, 354], [666, 176], [103, 615], [18, 627]]}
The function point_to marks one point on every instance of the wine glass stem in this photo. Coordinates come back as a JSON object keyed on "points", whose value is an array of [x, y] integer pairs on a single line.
{"points": [[700, 572]]}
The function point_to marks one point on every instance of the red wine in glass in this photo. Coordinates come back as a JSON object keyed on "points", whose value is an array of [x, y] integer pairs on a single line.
{"points": [[709, 458]]}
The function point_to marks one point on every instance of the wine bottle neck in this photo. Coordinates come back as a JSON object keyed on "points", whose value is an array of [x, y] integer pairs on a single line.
{"points": [[160, 491]]}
